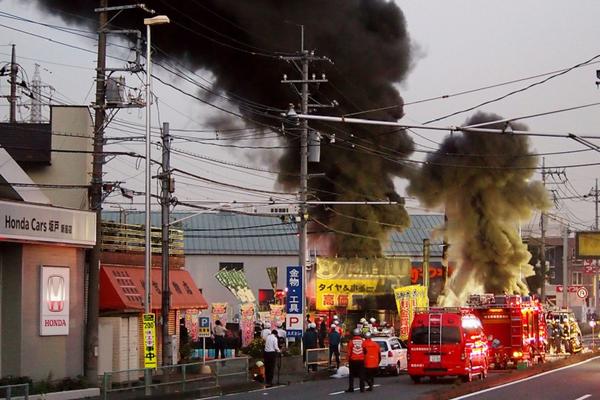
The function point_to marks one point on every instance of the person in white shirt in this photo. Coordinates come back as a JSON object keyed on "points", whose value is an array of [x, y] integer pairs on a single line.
{"points": [[270, 355], [266, 331]]}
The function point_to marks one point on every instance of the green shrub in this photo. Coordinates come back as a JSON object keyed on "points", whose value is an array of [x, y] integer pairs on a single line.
{"points": [[255, 348]]}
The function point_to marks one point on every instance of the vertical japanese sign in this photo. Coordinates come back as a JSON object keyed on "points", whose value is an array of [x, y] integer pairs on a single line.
{"points": [[295, 302], [408, 299], [149, 341], [247, 323]]}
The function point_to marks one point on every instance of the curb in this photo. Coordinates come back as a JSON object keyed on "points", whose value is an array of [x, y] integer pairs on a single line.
{"points": [[502, 378]]}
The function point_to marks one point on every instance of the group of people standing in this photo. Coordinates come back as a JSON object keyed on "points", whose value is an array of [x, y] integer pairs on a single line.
{"points": [[364, 356]]}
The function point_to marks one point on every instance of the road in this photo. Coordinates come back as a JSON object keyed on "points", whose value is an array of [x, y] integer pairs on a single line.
{"points": [[390, 387], [574, 382]]}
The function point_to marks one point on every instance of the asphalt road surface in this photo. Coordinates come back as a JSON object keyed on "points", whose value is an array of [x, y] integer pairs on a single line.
{"points": [[389, 387], [575, 382]]}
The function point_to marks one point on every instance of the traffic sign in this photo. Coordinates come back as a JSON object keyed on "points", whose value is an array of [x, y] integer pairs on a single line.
{"points": [[582, 292], [149, 340], [203, 327]]}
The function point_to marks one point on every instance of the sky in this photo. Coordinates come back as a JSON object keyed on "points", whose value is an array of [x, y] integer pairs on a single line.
{"points": [[460, 46]]}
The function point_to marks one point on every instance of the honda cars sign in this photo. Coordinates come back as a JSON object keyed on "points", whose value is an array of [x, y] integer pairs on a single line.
{"points": [[54, 301]]}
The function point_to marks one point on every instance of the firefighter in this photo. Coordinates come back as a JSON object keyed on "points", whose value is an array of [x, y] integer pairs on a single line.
{"points": [[372, 359], [356, 357]]}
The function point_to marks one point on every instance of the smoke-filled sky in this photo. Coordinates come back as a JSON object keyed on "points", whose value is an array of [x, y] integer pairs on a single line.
{"points": [[485, 186], [454, 48]]}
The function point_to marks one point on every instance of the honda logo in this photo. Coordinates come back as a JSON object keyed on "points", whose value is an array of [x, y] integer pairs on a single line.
{"points": [[55, 293]]}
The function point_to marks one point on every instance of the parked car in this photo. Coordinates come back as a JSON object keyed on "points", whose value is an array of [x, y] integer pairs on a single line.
{"points": [[393, 354], [447, 342]]}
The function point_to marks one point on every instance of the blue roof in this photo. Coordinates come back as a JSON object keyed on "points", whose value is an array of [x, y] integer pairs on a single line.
{"points": [[232, 233], [227, 233], [410, 241]]}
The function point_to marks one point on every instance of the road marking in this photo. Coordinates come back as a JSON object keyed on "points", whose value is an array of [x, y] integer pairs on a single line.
{"points": [[466, 396], [263, 389], [355, 389], [584, 397]]}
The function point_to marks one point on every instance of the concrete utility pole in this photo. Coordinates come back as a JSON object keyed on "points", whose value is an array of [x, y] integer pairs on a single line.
{"points": [[93, 296], [166, 190], [13, 85], [565, 267], [305, 58], [543, 239], [595, 280]]}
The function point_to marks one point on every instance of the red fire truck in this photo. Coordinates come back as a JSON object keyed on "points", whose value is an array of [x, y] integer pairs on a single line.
{"points": [[515, 327]]}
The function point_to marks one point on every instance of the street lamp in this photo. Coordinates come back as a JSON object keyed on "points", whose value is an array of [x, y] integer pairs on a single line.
{"points": [[158, 20]]}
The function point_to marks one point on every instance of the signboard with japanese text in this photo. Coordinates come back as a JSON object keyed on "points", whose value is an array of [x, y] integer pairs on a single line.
{"points": [[149, 329], [54, 301], [295, 303], [408, 299], [333, 293], [204, 327], [587, 245], [378, 277], [46, 224]]}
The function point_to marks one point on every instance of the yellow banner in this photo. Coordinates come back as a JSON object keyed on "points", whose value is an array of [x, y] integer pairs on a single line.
{"points": [[332, 293], [408, 298], [149, 341]]}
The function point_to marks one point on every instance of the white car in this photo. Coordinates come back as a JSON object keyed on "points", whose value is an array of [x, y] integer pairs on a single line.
{"points": [[393, 354]]}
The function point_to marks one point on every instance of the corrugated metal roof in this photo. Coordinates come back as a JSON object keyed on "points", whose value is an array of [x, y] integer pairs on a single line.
{"points": [[410, 242], [227, 233], [230, 233]]}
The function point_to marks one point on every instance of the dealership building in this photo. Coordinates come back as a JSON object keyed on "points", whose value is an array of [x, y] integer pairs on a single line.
{"points": [[44, 234]]}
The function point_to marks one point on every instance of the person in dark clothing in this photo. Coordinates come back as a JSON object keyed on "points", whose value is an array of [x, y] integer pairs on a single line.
{"points": [[219, 332], [322, 333], [310, 340], [334, 345], [183, 333], [270, 356]]}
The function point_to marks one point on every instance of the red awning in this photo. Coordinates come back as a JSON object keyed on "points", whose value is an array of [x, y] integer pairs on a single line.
{"points": [[122, 288]]}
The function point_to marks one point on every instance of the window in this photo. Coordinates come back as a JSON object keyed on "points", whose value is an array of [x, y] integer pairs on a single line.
{"points": [[421, 335], [577, 278], [231, 266], [382, 345], [395, 345]]}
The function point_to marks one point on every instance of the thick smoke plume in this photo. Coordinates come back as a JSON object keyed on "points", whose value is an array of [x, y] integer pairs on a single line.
{"points": [[368, 42], [482, 180]]}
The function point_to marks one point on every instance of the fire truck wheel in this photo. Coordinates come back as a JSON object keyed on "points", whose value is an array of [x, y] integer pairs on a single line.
{"points": [[415, 378], [468, 377]]}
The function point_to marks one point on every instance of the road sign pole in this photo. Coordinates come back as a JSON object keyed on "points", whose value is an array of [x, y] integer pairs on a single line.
{"points": [[203, 350]]}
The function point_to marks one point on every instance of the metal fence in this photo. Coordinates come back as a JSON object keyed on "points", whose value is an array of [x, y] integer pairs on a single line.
{"points": [[172, 379], [317, 357], [9, 391]]}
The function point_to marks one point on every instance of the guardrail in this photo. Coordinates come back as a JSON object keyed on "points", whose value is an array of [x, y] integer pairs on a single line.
{"points": [[8, 391], [317, 357], [130, 384]]}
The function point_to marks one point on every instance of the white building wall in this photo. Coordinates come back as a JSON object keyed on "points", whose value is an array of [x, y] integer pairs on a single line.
{"points": [[72, 129], [204, 267]]}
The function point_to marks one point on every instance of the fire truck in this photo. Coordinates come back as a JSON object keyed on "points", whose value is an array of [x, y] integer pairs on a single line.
{"points": [[515, 327]]}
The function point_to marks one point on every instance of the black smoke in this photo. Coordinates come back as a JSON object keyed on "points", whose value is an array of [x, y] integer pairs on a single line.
{"points": [[368, 42]]}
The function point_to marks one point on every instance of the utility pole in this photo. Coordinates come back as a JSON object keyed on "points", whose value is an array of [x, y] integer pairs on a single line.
{"points": [[93, 296], [167, 189], [595, 280], [13, 85], [565, 267], [425, 265], [543, 239], [305, 59]]}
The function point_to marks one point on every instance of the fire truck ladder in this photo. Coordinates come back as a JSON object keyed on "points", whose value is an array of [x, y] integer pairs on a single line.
{"points": [[435, 337], [516, 329]]}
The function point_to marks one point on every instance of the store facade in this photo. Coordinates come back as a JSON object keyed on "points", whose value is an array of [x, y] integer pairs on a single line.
{"points": [[42, 270]]}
